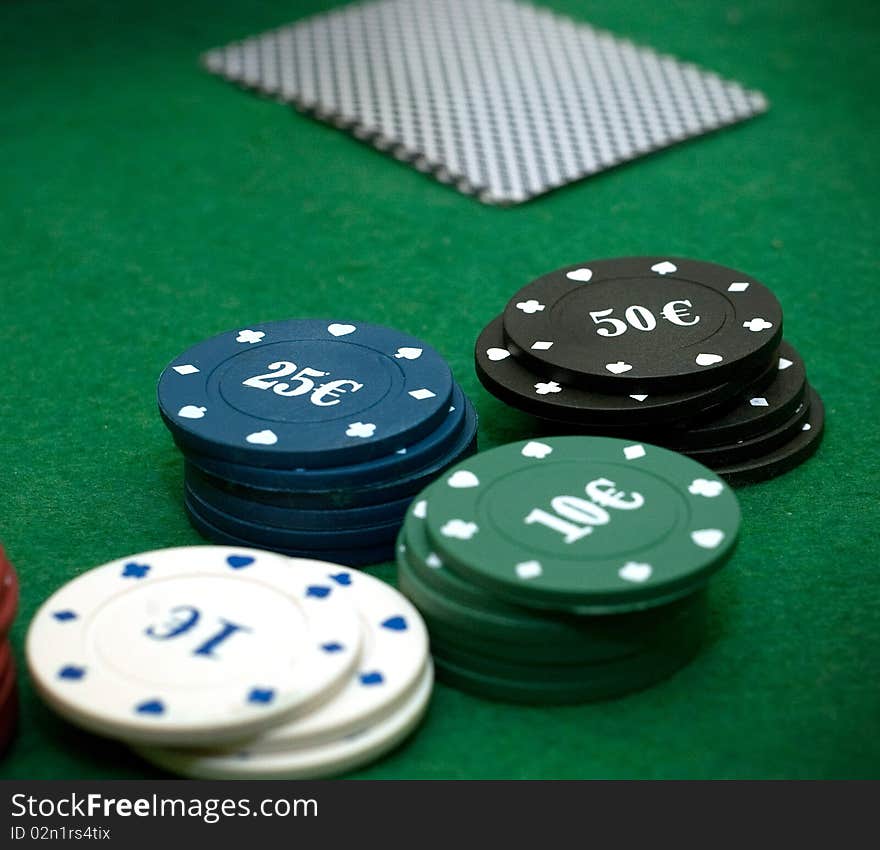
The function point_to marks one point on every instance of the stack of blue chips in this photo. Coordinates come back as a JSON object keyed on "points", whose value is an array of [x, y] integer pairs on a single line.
{"points": [[311, 437]]}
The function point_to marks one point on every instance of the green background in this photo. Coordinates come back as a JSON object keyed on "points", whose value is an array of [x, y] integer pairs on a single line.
{"points": [[147, 205]]}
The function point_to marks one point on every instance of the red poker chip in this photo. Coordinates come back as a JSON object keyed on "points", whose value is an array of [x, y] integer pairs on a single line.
{"points": [[8, 698], [8, 599]]}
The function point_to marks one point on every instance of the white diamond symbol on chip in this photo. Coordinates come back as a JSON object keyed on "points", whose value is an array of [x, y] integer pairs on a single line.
{"points": [[529, 569], [422, 394], [760, 401], [634, 452], [638, 397], [740, 286], [530, 306], [756, 324], [541, 345], [186, 369], [250, 336], [784, 364]]}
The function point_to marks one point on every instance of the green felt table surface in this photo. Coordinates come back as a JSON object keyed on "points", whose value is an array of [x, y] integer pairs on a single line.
{"points": [[145, 205]]}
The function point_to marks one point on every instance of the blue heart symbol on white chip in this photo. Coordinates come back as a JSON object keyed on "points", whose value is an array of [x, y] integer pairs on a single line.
{"points": [[150, 707], [239, 561]]}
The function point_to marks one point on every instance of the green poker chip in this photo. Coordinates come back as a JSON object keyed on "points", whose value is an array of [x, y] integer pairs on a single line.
{"points": [[586, 524], [598, 682], [459, 611]]}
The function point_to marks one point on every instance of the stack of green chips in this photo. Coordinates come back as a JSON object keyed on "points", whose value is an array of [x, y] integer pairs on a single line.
{"points": [[567, 569]]}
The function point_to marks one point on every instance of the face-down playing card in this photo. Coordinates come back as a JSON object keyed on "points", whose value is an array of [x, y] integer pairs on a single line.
{"points": [[502, 99]]}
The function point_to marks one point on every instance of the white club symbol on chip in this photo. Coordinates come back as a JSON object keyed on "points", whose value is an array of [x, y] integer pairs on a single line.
{"points": [[705, 487], [262, 438], [546, 387], [249, 336], [459, 529], [360, 429], [530, 306], [192, 411]]}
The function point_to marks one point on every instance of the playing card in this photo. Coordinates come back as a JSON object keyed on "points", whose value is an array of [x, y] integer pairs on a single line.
{"points": [[503, 99]]}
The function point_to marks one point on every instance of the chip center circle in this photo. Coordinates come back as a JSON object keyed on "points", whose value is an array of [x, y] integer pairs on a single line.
{"points": [[583, 512], [306, 381], [195, 631], [657, 315]]}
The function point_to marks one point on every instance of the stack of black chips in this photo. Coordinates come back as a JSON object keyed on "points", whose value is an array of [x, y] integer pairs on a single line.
{"points": [[684, 354]]}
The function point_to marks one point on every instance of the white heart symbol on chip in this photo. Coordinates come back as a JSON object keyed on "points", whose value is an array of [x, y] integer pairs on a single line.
{"points": [[664, 268], [580, 275], [537, 450], [190, 411], [618, 368], [463, 479], [708, 359], [707, 538], [262, 438], [408, 353], [341, 330], [634, 571], [529, 569], [496, 354]]}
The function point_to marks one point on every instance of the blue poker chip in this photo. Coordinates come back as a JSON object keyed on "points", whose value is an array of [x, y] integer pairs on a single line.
{"points": [[305, 393], [401, 462], [236, 503], [354, 557], [310, 540], [284, 488]]}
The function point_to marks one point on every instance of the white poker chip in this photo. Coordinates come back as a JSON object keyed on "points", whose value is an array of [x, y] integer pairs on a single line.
{"points": [[193, 646], [323, 760], [395, 649]]}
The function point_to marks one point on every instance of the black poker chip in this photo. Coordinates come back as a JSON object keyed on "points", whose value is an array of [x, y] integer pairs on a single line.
{"points": [[758, 411], [643, 324], [784, 458], [766, 441], [508, 378]]}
